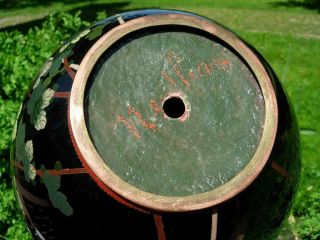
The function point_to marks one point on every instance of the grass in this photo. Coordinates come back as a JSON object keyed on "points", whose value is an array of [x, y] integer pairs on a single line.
{"points": [[33, 10], [288, 37]]}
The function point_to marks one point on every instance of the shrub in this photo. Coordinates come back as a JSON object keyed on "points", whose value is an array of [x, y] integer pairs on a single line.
{"points": [[21, 57]]}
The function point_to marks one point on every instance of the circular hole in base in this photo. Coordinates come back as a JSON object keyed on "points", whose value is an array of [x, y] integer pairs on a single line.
{"points": [[174, 107]]}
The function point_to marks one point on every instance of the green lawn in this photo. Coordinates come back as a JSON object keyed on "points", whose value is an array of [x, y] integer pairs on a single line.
{"points": [[288, 37], [28, 10]]}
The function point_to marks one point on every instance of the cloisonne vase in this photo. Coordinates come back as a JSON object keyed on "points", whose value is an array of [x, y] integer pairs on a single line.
{"points": [[155, 124]]}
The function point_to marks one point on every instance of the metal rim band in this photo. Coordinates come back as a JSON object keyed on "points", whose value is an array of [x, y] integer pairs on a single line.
{"points": [[92, 159]]}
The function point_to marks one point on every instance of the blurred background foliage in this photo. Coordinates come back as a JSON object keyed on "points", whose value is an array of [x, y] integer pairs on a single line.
{"points": [[287, 33]]}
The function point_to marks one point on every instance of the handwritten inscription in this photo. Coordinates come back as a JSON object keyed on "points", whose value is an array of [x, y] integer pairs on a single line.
{"points": [[130, 126], [200, 71], [175, 61], [155, 107], [145, 124]]}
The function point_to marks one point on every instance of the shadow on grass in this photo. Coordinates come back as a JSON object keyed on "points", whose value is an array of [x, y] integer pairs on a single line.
{"points": [[88, 13], [19, 4], [308, 4], [24, 27]]}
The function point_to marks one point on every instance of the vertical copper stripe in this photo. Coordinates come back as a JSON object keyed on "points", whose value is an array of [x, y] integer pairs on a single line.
{"points": [[69, 70], [283, 172], [159, 226], [214, 225]]}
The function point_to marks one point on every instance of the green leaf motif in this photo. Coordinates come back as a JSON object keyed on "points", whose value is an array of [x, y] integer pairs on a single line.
{"points": [[81, 35], [52, 182], [20, 144], [64, 47], [36, 83], [36, 95], [59, 201], [43, 72], [29, 150], [96, 32], [32, 172], [57, 198], [40, 120], [58, 165], [52, 66], [29, 174], [57, 62], [24, 153], [26, 171], [40, 99], [46, 67], [46, 97]]}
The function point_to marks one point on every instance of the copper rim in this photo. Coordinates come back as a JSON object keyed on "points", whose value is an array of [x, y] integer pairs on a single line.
{"points": [[158, 202]]}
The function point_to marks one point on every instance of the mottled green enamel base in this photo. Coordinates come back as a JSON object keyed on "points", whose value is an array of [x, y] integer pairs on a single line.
{"points": [[208, 146]]}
